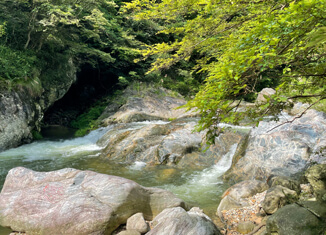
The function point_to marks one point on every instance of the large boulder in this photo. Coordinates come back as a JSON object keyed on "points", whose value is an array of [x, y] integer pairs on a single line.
{"points": [[277, 197], [178, 221], [71, 201], [236, 196], [279, 148], [295, 220], [172, 143], [148, 107]]}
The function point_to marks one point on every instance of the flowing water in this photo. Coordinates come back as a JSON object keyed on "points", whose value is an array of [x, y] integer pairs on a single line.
{"points": [[198, 188]]}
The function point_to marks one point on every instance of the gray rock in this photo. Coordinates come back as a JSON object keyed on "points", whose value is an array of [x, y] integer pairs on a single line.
{"points": [[129, 232], [316, 176], [138, 223], [264, 92], [234, 197], [285, 182], [246, 189], [177, 221], [276, 197], [298, 108], [149, 107], [172, 143], [21, 112], [283, 151], [70, 201], [295, 220]]}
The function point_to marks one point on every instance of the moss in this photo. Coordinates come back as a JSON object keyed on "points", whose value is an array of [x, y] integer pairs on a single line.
{"points": [[36, 135], [87, 121]]}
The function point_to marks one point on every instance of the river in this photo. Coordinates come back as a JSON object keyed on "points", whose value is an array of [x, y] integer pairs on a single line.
{"points": [[198, 188]]}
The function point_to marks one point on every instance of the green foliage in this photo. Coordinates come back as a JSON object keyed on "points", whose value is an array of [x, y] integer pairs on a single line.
{"points": [[242, 46], [2, 29], [18, 68], [87, 121], [37, 135]]}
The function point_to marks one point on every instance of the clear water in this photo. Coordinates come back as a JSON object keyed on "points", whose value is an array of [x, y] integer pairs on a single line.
{"points": [[197, 188]]}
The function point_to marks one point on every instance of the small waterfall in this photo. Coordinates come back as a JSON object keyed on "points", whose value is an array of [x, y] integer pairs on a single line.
{"points": [[204, 187]]}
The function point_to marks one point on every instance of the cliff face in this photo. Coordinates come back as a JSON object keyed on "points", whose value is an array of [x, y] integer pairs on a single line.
{"points": [[21, 112]]}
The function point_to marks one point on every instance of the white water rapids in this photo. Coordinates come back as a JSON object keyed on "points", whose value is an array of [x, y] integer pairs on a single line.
{"points": [[198, 188]]}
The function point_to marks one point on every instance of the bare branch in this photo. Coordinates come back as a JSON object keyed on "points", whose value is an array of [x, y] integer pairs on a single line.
{"points": [[296, 117]]}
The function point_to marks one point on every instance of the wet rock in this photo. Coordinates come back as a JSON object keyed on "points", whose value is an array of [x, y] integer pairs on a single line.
{"points": [[276, 197], [138, 223], [285, 182], [178, 221], [295, 220], [283, 151], [172, 144], [235, 196], [316, 176], [70, 201]]}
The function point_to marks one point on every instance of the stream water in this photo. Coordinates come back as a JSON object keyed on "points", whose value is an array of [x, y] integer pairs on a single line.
{"points": [[198, 188]]}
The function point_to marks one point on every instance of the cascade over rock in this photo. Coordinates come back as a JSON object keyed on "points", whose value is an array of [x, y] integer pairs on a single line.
{"points": [[71, 201], [172, 143]]}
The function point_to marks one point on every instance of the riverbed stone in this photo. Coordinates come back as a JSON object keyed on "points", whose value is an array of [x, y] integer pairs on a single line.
{"points": [[178, 221], [295, 220], [138, 223], [71, 201], [278, 148], [278, 196]]}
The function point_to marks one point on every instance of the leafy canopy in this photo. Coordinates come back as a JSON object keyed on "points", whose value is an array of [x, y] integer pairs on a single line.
{"points": [[243, 46]]}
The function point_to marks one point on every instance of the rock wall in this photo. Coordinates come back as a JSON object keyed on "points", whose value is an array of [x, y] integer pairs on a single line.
{"points": [[21, 112]]}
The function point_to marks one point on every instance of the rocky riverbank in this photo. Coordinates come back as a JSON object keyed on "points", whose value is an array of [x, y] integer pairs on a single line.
{"points": [[278, 176]]}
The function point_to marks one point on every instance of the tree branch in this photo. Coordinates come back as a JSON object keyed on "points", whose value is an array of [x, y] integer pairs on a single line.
{"points": [[296, 117]]}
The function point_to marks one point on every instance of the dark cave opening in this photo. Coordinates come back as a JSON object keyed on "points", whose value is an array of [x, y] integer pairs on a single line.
{"points": [[92, 84]]}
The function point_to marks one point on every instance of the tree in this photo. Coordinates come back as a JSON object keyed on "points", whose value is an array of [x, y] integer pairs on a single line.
{"points": [[244, 46]]}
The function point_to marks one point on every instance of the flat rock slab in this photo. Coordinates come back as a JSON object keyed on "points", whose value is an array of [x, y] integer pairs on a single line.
{"points": [[71, 201]]}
